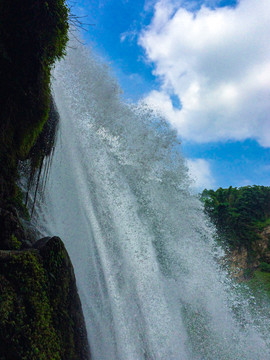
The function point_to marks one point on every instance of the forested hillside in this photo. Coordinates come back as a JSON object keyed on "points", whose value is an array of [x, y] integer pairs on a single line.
{"points": [[239, 213], [242, 219]]}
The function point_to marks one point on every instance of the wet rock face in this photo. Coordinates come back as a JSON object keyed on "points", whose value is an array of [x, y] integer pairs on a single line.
{"points": [[265, 244], [242, 266], [40, 311]]}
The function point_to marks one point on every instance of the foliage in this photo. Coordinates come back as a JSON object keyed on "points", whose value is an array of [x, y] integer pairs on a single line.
{"points": [[260, 282], [239, 213], [265, 267], [15, 243]]}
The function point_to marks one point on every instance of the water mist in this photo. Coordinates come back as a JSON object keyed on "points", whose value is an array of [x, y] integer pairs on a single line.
{"points": [[143, 251]]}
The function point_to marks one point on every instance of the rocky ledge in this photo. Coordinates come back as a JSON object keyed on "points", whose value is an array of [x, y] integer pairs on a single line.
{"points": [[40, 311]]}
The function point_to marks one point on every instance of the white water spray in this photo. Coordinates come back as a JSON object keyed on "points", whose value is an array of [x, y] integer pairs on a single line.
{"points": [[141, 248]]}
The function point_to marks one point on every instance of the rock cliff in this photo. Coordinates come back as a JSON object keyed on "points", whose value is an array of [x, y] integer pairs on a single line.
{"points": [[40, 311]]}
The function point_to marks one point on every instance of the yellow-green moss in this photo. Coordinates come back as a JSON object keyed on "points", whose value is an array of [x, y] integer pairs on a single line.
{"points": [[40, 312], [26, 328], [58, 266], [15, 243]]}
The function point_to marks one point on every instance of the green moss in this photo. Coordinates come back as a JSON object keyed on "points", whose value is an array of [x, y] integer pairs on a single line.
{"points": [[58, 266], [40, 31], [39, 306], [15, 243], [36, 293], [26, 329], [51, 27], [6, 301], [28, 135]]}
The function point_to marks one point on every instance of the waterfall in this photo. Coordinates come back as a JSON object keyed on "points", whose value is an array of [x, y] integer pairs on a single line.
{"points": [[144, 256]]}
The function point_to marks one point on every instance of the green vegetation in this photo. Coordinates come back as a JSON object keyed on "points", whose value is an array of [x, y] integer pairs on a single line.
{"points": [[15, 243], [260, 282], [33, 35], [262, 224], [40, 312], [239, 213], [61, 277], [265, 267], [242, 219], [26, 330]]}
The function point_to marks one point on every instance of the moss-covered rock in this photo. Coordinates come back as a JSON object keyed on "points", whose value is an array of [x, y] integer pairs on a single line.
{"points": [[33, 35], [40, 311], [25, 312], [69, 322], [12, 231]]}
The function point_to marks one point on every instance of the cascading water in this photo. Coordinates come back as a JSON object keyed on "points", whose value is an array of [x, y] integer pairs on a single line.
{"points": [[144, 258]]}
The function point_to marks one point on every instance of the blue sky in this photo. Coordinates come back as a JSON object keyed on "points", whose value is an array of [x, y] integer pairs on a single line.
{"points": [[205, 65]]}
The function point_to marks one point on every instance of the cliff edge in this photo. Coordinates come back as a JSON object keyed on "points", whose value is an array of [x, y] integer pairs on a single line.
{"points": [[40, 311]]}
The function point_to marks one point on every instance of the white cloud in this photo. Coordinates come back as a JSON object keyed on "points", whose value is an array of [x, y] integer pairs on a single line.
{"points": [[200, 173], [128, 35], [217, 61]]}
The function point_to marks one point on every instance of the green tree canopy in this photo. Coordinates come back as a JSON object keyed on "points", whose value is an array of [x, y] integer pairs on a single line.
{"points": [[238, 213]]}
